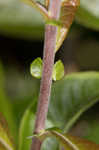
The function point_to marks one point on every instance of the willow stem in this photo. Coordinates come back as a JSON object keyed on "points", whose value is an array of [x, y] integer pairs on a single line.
{"points": [[46, 82]]}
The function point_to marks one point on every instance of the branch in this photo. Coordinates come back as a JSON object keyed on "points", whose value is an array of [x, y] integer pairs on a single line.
{"points": [[48, 61]]}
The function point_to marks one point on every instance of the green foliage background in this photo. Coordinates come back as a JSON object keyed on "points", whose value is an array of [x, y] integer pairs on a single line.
{"points": [[74, 99]]}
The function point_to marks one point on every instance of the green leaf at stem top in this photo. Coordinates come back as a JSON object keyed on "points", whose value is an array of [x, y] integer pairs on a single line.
{"points": [[67, 141]]}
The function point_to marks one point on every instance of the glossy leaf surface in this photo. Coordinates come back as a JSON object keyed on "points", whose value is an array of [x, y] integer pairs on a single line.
{"points": [[58, 70], [36, 68], [72, 96]]}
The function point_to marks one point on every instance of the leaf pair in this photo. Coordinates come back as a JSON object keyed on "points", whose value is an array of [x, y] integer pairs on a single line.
{"points": [[67, 14], [37, 65]]}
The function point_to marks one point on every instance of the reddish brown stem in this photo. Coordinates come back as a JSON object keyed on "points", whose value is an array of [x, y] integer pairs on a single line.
{"points": [[48, 61]]}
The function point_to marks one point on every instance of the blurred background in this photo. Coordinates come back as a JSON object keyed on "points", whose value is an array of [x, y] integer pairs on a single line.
{"points": [[21, 41]]}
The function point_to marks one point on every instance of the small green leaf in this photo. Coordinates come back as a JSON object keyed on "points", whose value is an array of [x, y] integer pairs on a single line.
{"points": [[36, 68], [58, 70], [5, 141], [68, 142]]}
